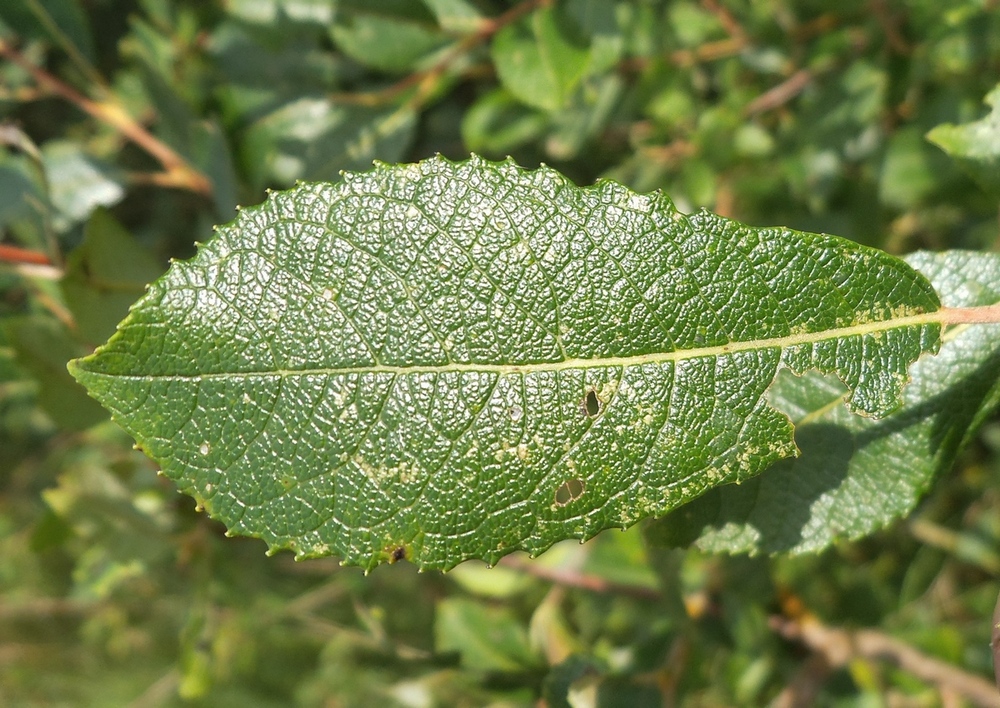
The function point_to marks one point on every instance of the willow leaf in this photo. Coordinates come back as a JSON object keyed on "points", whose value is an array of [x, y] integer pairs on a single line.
{"points": [[444, 361]]}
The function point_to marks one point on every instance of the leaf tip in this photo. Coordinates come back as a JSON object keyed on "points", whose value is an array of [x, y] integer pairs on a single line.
{"points": [[73, 366]]}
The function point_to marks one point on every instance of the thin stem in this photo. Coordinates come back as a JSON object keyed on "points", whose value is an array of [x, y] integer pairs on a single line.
{"points": [[840, 647], [114, 115], [987, 314], [780, 94], [575, 579], [16, 254], [81, 62]]}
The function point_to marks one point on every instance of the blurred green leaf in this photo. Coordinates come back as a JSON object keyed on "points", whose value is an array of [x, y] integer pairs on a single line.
{"points": [[105, 275], [23, 201], [975, 145], [597, 21], [538, 61], [53, 21], [78, 183], [496, 582], [559, 683], [315, 139], [908, 172], [459, 16], [269, 12], [487, 638], [42, 348], [497, 123], [260, 71], [371, 34]]}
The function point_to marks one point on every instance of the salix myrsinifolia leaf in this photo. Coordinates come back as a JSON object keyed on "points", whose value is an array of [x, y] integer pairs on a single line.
{"points": [[442, 361]]}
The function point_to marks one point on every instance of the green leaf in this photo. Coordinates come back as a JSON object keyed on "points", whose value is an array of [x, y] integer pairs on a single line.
{"points": [[975, 145], [445, 361], [908, 172], [538, 62], [78, 183], [22, 194], [597, 22], [375, 36], [488, 639], [42, 347], [497, 123], [56, 21], [261, 73], [455, 15], [268, 12], [105, 275], [842, 487], [312, 138]]}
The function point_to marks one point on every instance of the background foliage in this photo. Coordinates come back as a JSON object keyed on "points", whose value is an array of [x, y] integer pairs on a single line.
{"points": [[133, 126]]}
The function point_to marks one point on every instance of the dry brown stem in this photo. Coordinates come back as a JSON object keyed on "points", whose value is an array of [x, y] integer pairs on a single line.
{"points": [[183, 175], [839, 647]]}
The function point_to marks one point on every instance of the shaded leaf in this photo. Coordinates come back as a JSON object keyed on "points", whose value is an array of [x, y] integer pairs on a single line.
{"points": [[105, 275], [975, 145], [443, 361], [856, 475], [262, 73], [42, 347], [53, 21], [22, 199]]}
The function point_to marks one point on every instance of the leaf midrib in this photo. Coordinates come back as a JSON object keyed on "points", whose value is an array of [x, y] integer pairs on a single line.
{"points": [[562, 365]]}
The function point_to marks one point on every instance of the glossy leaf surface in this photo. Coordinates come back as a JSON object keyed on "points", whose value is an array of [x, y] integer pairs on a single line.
{"points": [[444, 361]]}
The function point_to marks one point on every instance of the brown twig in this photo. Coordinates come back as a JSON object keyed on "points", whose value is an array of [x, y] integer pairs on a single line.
{"points": [[726, 19], [889, 22], [686, 58], [780, 94], [42, 608], [840, 646], [815, 27], [575, 579], [424, 81], [16, 254], [183, 174], [671, 153], [802, 690]]}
